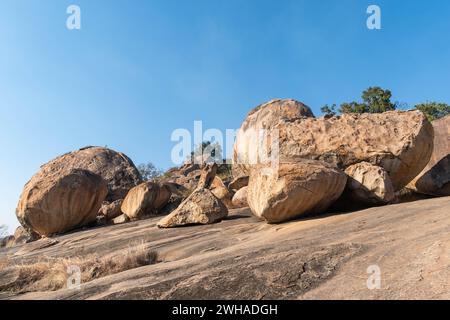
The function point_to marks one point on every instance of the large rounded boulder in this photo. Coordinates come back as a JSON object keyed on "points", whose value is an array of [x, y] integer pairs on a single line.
{"points": [[293, 189], [435, 178], [115, 168], [58, 199], [145, 199], [263, 117], [399, 142]]}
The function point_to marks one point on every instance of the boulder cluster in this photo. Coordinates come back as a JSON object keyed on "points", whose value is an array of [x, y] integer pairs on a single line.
{"points": [[320, 163]]}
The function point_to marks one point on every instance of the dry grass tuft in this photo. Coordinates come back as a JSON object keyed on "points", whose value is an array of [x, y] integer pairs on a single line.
{"points": [[52, 275]]}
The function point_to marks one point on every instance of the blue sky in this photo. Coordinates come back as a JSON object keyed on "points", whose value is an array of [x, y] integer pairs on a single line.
{"points": [[137, 70]]}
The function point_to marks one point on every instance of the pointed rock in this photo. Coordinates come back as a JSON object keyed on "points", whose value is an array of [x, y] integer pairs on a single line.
{"points": [[201, 207]]}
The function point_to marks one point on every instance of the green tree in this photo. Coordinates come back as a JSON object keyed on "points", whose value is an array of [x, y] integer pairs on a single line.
{"points": [[378, 100], [329, 111], [434, 110], [375, 100], [149, 172]]}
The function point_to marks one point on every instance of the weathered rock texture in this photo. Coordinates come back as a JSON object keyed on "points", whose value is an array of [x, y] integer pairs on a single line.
{"points": [[111, 210], [318, 258], [369, 184], [145, 199], [240, 198], [61, 199], [22, 236], [120, 219], [399, 142], [265, 117], [114, 167], [296, 189], [435, 178], [201, 207], [221, 192], [239, 183]]}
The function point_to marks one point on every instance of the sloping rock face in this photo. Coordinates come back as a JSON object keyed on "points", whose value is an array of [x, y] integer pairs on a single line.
{"points": [[265, 116], [296, 189], [114, 167], [399, 142], [145, 199], [201, 207], [58, 200], [435, 178], [244, 258], [369, 184]]}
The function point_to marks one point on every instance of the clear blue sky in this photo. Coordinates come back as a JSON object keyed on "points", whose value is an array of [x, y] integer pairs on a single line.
{"points": [[137, 70]]}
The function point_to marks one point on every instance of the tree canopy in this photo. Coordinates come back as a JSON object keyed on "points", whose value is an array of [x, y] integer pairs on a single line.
{"points": [[149, 171], [378, 100], [374, 100], [434, 110]]}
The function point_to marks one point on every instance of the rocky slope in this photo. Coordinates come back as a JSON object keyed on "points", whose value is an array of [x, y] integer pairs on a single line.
{"points": [[323, 257]]}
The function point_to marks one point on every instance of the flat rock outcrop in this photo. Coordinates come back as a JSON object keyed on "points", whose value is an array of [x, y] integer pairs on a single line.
{"points": [[295, 189], [59, 200], [435, 178]]}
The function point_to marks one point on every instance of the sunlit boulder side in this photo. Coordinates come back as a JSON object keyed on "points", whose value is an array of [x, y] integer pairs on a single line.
{"points": [[263, 119], [401, 142], [58, 199], [368, 184], [434, 180], [293, 190], [240, 198], [145, 199], [201, 207]]}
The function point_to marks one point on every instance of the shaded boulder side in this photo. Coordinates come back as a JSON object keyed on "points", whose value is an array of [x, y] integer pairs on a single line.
{"points": [[434, 180]]}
